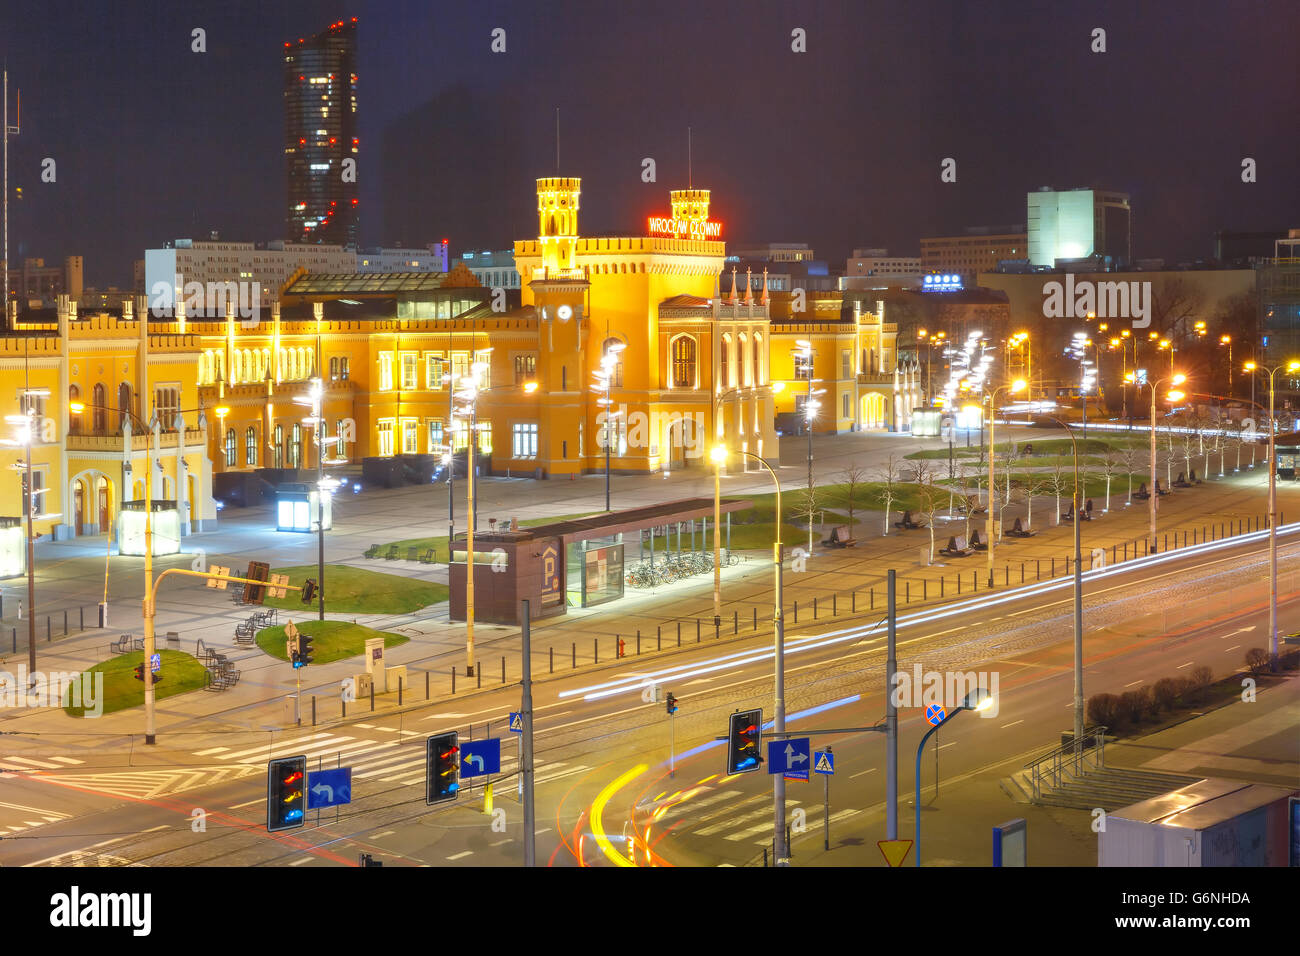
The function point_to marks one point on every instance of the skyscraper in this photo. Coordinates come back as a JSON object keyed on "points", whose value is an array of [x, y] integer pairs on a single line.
{"points": [[320, 130], [1078, 223]]}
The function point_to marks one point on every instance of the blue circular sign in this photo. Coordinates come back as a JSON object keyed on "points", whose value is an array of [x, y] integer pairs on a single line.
{"points": [[935, 714]]}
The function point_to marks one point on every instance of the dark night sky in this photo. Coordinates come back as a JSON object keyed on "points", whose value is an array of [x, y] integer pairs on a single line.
{"points": [[838, 147]]}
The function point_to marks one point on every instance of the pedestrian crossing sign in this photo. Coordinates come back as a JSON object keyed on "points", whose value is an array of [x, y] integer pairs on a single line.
{"points": [[824, 762], [516, 722]]}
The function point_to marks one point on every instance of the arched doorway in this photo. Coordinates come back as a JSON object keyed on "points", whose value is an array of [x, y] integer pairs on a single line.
{"points": [[78, 507], [875, 411], [683, 441], [102, 498]]}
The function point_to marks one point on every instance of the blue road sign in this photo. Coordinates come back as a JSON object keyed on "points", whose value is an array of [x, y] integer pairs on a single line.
{"points": [[935, 714], [516, 722], [789, 756], [824, 762], [155, 662], [479, 757], [329, 788]]}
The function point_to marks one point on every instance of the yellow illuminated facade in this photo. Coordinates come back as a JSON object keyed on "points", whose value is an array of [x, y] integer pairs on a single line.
{"points": [[135, 384]]}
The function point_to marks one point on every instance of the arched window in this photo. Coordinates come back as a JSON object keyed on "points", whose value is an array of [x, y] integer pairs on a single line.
{"points": [[615, 379], [231, 448], [236, 367], [74, 421], [250, 446], [334, 369], [124, 404], [279, 446], [683, 352], [99, 416], [295, 447], [751, 367], [743, 374], [724, 370], [760, 359]]}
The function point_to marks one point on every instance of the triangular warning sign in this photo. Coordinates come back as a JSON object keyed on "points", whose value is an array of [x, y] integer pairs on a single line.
{"points": [[517, 722], [824, 764], [895, 851]]}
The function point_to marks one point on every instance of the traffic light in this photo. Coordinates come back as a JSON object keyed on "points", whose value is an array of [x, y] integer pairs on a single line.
{"points": [[442, 768], [743, 738], [139, 672], [672, 703], [286, 793], [304, 650], [309, 591]]}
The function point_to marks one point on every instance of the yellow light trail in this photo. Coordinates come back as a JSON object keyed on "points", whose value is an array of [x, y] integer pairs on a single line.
{"points": [[598, 809]]}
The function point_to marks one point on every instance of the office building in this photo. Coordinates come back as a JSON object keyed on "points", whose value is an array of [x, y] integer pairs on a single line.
{"points": [[978, 249], [321, 137], [870, 268], [1076, 224], [430, 258], [264, 267], [495, 270]]}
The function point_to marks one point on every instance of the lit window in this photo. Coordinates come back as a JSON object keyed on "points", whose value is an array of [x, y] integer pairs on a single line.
{"points": [[385, 374], [524, 440]]}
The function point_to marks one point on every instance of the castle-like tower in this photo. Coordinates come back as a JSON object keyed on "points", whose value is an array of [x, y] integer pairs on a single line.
{"points": [[557, 221], [690, 203]]}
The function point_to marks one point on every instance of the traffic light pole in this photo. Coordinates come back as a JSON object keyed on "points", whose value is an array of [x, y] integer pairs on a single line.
{"points": [[526, 764], [891, 717], [672, 745]]}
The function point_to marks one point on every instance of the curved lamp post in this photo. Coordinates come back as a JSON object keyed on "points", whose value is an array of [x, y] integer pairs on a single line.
{"points": [[978, 699], [1016, 386]]}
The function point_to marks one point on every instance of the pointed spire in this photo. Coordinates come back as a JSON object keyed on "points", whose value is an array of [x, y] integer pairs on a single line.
{"points": [[732, 300], [764, 300], [749, 287]]}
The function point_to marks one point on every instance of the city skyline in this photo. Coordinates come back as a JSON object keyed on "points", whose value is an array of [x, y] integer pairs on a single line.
{"points": [[447, 139]]}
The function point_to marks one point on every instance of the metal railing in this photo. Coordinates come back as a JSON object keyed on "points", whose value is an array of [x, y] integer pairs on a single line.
{"points": [[1051, 768]]}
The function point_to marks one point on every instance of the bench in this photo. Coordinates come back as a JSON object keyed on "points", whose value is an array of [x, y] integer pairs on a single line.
{"points": [[1019, 531], [1142, 492], [245, 632], [373, 550], [907, 523], [972, 506], [174, 639], [391, 553], [956, 549], [122, 644], [427, 557], [841, 537], [977, 543]]}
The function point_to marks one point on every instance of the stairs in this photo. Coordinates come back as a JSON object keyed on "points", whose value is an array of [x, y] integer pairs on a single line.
{"points": [[1110, 788]]}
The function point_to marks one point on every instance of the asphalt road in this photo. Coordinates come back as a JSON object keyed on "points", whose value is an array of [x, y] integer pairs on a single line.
{"points": [[204, 803]]}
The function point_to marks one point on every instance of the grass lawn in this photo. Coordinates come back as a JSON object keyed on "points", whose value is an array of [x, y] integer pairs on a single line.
{"points": [[360, 591], [1042, 447], [180, 673], [331, 640]]}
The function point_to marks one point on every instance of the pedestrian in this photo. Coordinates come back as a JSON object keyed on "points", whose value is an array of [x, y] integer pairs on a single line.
{"points": [[620, 647]]}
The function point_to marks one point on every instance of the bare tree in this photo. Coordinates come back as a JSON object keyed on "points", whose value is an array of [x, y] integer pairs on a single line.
{"points": [[854, 477], [1031, 484], [1059, 480], [887, 477], [1174, 301], [930, 496], [1136, 459], [1111, 464]]}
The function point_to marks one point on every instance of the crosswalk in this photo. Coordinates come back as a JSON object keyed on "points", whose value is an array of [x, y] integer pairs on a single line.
{"points": [[18, 818], [724, 814], [389, 759], [151, 784]]}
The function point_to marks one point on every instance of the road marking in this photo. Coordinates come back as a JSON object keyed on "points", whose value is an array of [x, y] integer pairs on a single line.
{"points": [[381, 834], [72, 760], [500, 842], [1133, 683], [862, 773], [34, 763], [1181, 666], [460, 856], [1013, 723], [945, 746], [273, 746], [210, 751], [1233, 647], [300, 862], [240, 806]]}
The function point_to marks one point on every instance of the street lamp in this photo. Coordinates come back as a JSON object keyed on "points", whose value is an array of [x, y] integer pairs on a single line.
{"points": [[1176, 379], [1227, 340], [1016, 386], [1272, 503], [24, 428], [805, 352], [781, 851], [719, 455], [604, 379], [977, 700], [314, 399], [1075, 502]]}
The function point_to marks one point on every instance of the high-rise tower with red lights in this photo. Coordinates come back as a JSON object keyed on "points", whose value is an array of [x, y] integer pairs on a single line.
{"points": [[320, 126]]}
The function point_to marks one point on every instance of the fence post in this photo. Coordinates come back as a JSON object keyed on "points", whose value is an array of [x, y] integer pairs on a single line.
{"points": [[796, 612], [372, 697], [426, 685], [313, 710], [575, 653], [735, 621], [453, 682], [814, 607], [697, 630], [551, 653], [595, 650]]}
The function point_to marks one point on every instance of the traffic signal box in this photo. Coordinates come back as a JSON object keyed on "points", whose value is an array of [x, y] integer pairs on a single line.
{"points": [[309, 591], [442, 768], [671, 704], [257, 571], [303, 657], [286, 793], [744, 741]]}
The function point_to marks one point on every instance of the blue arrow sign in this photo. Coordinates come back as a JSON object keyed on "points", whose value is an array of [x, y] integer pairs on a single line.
{"points": [[824, 762], [329, 788], [789, 756], [516, 722], [480, 757]]}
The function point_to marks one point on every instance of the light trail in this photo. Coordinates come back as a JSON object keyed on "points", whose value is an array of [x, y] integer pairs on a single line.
{"points": [[963, 607]]}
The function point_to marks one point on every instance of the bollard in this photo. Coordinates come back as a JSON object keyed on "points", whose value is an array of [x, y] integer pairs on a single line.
{"points": [[345, 708], [575, 653], [372, 697], [697, 630], [959, 583], [735, 621], [65, 622], [1006, 574], [81, 612], [399, 692], [925, 590], [872, 607], [717, 627], [313, 710], [853, 601], [659, 637], [551, 659], [834, 606], [595, 650], [814, 607], [1053, 567], [1022, 572], [679, 633], [15, 637], [755, 610], [426, 685], [503, 671], [638, 642], [796, 612], [941, 587], [453, 681], [47, 628], [907, 591], [1038, 570], [478, 672]]}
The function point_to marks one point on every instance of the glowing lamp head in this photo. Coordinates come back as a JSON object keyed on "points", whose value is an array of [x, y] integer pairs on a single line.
{"points": [[1251, 366], [222, 411], [1179, 378], [1293, 366], [777, 387], [1018, 385], [530, 387], [1177, 396], [979, 699], [76, 408], [718, 453]]}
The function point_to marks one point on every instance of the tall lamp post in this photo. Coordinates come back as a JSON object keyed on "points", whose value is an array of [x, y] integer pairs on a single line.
{"points": [[781, 851], [1272, 503], [805, 352], [604, 379], [978, 699], [1016, 386], [1176, 379], [24, 428], [314, 399], [1075, 506]]}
